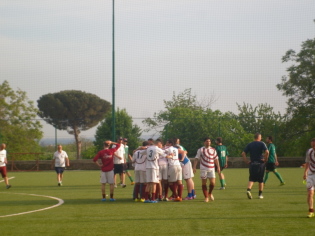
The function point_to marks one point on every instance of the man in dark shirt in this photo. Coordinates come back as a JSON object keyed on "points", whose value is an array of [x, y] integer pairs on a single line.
{"points": [[258, 156]]}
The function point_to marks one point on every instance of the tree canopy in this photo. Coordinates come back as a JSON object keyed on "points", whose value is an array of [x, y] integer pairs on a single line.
{"points": [[72, 110], [19, 128]]}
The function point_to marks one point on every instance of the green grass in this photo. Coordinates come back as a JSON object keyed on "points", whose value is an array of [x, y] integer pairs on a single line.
{"points": [[282, 212]]}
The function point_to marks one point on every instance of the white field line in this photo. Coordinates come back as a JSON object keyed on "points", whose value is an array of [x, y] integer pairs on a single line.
{"points": [[8, 178], [60, 202]]}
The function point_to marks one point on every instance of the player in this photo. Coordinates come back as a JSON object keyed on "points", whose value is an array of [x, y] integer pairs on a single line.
{"points": [[107, 167], [163, 175], [272, 162], [3, 167], [223, 160], [208, 159], [119, 163], [309, 176], [60, 161], [187, 170], [258, 156], [138, 161]]}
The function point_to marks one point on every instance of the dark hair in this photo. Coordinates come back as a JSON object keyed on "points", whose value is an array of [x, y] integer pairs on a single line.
{"points": [[206, 138], [219, 139], [257, 135], [170, 141], [145, 143], [270, 138], [313, 140], [150, 139]]}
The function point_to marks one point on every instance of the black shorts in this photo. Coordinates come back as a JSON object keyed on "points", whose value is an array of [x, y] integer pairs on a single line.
{"points": [[118, 168], [256, 172], [221, 168], [59, 170], [270, 166]]}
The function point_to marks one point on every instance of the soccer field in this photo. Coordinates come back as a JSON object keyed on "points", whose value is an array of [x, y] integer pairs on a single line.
{"points": [[282, 211]]}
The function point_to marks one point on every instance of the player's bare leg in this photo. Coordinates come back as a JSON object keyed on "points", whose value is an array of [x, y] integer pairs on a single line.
{"points": [[249, 188], [204, 189], [111, 191], [310, 202], [103, 192], [211, 187]]}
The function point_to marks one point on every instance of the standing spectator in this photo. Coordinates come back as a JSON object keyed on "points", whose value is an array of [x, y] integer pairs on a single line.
{"points": [[272, 162], [3, 167], [60, 161], [119, 162], [208, 159], [309, 176], [107, 168], [258, 156], [223, 160]]}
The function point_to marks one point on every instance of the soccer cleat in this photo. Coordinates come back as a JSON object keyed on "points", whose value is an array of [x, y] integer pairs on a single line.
{"points": [[282, 183], [260, 196], [195, 196], [132, 183], [211, 197], [310, 215], [206, 199], [8, 186], [103, 200], [170, 198], [178, 199], [142, 200], [59, 184], [147, 201], [222, 188], [115, 186], [165, 199], [249, 195], [136, 200], [124, 186], [188, 198], [112, 199], [153, 201]]}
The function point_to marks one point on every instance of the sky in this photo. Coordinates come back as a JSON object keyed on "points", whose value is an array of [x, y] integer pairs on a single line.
{"points": [[230, 50]]}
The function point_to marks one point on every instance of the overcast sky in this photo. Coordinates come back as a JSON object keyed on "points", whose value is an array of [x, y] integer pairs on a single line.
{"points": [[231, 49]]}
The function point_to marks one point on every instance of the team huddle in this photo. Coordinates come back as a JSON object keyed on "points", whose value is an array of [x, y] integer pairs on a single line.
{"points": [[159, 168]]}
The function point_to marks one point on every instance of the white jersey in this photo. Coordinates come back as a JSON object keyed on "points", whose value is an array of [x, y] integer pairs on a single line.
{"points": [[163, 160], [310, 158], [121, 153], [153, 154], [3, 156], [174, 161], [139, 160], [60, 158], [207, 157]]}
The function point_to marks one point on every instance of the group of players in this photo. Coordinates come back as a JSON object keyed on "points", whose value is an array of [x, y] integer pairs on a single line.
{"points": [[159, 167]]}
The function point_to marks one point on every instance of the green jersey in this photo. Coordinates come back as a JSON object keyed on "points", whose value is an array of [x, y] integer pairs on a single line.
{"points": [[222, 154], [272, 153]]}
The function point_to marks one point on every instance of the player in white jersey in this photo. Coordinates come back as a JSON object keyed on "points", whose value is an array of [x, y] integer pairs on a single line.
{"points": [[60, 161], [153, 153], [188, 173], [175, 174], [139, 164], [309, 176], [119, 161], [208, 160], [3, 162]]}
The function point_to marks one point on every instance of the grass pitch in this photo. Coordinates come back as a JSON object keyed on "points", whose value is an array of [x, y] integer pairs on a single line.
{"points": [[282, 211]]}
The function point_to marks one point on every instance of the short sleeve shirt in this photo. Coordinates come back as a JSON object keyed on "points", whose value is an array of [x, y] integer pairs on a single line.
{"points": [[60, 158]]}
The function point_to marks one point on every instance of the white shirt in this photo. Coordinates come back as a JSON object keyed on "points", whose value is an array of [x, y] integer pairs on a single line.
{"points": [[60, 158], [139, 160], [207, 157], [153, 154], [174, 161], [310, 158], [3, 156], [121, 153]]}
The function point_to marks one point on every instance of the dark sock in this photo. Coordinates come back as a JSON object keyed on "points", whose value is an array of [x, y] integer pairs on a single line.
{"points": [[259, 193]]}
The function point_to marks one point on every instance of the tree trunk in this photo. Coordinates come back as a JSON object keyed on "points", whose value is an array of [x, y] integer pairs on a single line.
{"points": [[76, 133]]}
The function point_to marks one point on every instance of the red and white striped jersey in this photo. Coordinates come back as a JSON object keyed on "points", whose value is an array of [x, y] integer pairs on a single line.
{"points": [[310, 158], [207, 157]]}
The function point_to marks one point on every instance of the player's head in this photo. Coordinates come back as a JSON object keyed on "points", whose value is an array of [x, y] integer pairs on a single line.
{"points": [[218, 140], [107, 143], [176, 141], [145, 143], [257, 136], [59, 147], [2, 146], [158, 143], [125, 140], [269, 139], [170, 142], [120, 140], [207, 142], [160, 140], [151, 141]]}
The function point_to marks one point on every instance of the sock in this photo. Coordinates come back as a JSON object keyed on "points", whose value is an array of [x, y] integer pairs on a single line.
{"points": [[193, 192], [137, 189], [248, 189], [311, 210], [153, 196], [266, 177], [157, 190], [143, 190], [222, 182], [259, 193], [131, 179], [211, 187], [204, 190], [111, 195], [104, 195], [146, 195], [190, 195], [174, 190], [166, 190], [279, 177], [180, 190]]}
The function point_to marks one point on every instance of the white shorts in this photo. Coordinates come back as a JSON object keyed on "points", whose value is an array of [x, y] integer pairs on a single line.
{"points": [[187, 171], [310, 182], [152, 175], [140, 176], [207, 174], [163, 172], [107, 177], [174, 173]]}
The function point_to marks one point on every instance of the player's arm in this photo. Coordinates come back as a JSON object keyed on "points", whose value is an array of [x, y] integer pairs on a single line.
{"points": [[67, 160], [266, 155], [307, 165], [276, 158], [245, 158], [96, 160], [216, 162], [5, 160], [226, 161], [196, 161]]}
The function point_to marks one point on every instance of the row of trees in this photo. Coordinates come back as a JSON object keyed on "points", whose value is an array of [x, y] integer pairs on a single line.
{"points": [[184, 116]]}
